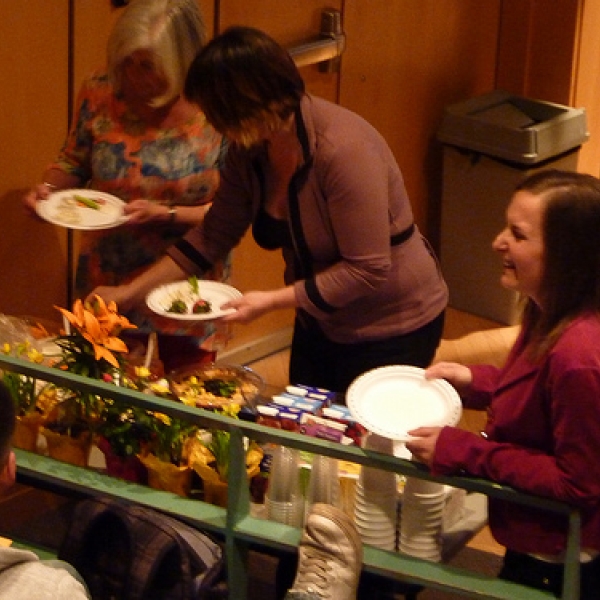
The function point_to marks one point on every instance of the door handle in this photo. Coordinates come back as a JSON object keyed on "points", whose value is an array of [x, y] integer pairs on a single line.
{"points": [[326, 49]]}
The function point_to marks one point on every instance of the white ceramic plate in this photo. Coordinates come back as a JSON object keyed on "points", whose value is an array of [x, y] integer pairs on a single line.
{"points": [[390, 401], [62, 209], [160, 299]]}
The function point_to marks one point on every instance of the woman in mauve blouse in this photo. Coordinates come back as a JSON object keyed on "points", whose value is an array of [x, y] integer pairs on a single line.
{"points": [[319, 184]]}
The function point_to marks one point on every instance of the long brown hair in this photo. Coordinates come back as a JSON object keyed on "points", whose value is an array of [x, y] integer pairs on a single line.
{"points": [[570, 284]]}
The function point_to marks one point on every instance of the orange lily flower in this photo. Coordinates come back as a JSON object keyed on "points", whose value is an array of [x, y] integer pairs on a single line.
{"points": [[101, 325]]}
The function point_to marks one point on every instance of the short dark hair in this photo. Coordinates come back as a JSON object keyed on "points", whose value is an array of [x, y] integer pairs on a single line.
{"points": [[8, 418], [244, 75], [570, 232]]}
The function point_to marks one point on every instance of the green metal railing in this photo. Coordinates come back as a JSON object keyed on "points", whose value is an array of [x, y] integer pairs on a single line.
{"points": [[241, 531]]}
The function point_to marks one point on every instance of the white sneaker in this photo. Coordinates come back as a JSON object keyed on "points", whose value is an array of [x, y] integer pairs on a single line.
{"points": [[329, 556]]}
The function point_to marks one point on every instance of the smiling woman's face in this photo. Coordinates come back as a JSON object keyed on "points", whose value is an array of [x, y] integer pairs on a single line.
{"points": [[521, 245]]}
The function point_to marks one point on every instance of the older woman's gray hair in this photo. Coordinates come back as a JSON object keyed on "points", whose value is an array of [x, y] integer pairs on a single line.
{"points": [[173, 30]]}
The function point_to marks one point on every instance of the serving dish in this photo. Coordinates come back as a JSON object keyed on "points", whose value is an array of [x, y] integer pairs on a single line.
{"points": [[217, 386]]}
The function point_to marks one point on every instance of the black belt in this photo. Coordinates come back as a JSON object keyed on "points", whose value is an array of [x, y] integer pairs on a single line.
{"points": [[403, 236]]}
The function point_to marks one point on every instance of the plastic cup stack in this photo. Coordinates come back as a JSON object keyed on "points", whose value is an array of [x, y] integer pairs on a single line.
{"points": [[376, 500], [283, 501], [324, 483], [421, 519]]}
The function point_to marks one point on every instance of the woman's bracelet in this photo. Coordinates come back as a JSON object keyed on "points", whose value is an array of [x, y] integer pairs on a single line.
{"points": [[172, 213], [50, 186]]}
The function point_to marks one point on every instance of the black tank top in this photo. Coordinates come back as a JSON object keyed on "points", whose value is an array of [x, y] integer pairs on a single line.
{"points": [[271, 233]]}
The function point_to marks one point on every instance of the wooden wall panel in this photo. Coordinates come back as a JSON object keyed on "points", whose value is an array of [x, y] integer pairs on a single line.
{"points": [[537, 48], [93, 20], [33, 121], [405, 61], [586, 89], [551, 51]]}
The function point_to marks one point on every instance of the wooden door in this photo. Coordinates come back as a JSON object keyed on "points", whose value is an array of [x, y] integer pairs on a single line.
{"points": [[33, 122]]}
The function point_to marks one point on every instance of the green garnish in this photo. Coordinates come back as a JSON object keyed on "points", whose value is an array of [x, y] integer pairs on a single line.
{"points": [[221, 387], [193, 281], [178, 306], [87, 202]]}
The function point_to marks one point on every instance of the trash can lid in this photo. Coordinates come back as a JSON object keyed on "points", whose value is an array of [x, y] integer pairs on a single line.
{"points": [[513, 128]]}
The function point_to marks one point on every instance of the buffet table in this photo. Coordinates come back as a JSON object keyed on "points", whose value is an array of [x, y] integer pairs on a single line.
{"points": [[242, 531]]}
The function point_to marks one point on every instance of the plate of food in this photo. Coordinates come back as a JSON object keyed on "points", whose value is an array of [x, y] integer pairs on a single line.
{"points": [[217, 386], [82, 209], [192, 300], [391, 401]]}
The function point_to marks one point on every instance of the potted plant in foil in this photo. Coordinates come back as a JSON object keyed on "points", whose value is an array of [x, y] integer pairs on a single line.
{"points": [[90, 347], [33, 399], [167, 459], [210, 459], [124, 432]]}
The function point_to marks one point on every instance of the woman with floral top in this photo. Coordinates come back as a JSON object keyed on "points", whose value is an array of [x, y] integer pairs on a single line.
{"points": [[134, 136]]}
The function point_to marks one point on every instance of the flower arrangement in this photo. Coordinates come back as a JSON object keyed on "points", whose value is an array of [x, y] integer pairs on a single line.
{"points": [[23, 388], [168, 450], [210, 459], [34, 400], [93, 347], [166, 460], [90, 347]]}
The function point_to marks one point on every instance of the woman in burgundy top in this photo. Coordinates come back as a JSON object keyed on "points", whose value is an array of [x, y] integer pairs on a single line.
{"points": [[543, 430], [321, 185]]}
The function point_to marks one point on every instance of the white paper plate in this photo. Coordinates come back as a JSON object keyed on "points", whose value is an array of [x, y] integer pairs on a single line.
{"points": [[390, 401], [60, 208], [160, 299]]}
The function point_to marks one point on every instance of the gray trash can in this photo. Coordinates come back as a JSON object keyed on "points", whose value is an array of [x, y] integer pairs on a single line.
{"points": [[490, 144]]}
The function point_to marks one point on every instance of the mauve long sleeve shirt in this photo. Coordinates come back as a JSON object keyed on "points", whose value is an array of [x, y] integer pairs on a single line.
{"points": [[344, 208]]}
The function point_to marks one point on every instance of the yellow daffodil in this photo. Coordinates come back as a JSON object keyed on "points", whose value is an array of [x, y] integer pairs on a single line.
{"points": [[162, 417], [35, 356], [160, 387], [142, 372]]}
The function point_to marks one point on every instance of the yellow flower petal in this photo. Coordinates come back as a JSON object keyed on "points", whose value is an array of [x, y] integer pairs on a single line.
{"points": [[142, 371]]}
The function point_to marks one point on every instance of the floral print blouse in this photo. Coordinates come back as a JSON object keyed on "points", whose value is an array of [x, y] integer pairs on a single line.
{"points": [[110, 149]]}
